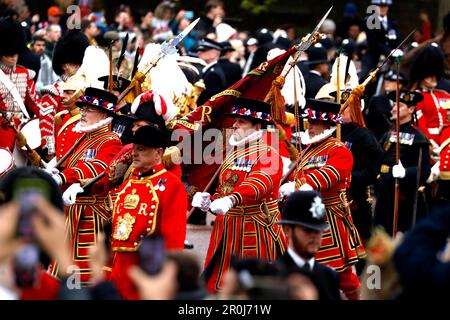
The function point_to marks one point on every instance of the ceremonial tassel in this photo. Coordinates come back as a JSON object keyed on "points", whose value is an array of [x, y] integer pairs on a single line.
{"points": [[354, 103], [276, 100]]}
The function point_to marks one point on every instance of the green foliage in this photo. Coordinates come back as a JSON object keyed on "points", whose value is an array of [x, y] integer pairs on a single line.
{"points": [[257, 6]]}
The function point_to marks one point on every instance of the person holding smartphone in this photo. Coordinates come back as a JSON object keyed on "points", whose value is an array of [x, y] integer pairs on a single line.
{"points": [[152, 202]]}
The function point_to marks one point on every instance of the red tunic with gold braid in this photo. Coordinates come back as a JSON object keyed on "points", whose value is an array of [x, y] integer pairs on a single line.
{"points": [[147, 204], [86, 217], [51, 104], [27, 90], [431, 115], [327, 167], [65, 136], [251, 176]]}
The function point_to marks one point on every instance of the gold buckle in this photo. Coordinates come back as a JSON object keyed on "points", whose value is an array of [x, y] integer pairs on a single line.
{"points": [[385, 169]]}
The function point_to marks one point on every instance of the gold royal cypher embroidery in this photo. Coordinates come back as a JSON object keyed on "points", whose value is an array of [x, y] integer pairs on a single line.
{"points": [[124, 227]]}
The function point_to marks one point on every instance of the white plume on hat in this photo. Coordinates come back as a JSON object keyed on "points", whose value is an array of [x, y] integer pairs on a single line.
{"points": [[95, 65], [166, 79], [225, 32], [164, 108], [351, 83], [288, 88]]}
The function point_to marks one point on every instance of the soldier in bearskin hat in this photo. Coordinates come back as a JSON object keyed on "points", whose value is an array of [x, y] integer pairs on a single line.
{"points": [[19, 101], [67, 59], [326, 166], [412, 143], [246, 197]]}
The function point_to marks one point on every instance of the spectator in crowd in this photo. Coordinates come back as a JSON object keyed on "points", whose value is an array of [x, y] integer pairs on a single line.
{"points": [[90, 29], [46, 74], [212, 17], [53, 34]]}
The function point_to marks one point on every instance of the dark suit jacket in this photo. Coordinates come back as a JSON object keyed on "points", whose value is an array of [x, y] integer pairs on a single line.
{"points": [[325, 278], [378, 41], [232, 71], [215, 82], [377, 115], [313, 83]]}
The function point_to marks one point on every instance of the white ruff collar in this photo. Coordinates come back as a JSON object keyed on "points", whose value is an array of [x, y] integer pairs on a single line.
{"points": [[79, 129], [250, 138], [304, 136]]}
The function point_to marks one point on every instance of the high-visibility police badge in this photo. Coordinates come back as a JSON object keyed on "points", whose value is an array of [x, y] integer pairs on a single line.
{"points": [[124, 227]]}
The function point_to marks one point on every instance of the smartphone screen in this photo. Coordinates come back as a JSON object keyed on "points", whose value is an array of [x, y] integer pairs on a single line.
{"points": [[26, 192], [152, 254]]}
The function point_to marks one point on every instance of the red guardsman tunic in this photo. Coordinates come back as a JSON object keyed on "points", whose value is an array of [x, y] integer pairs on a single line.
{"points": [[431, 115], [252, 177], [86, 217], [65, 136], [27, 90], [51, 104], [147, 204], [327, 167]]}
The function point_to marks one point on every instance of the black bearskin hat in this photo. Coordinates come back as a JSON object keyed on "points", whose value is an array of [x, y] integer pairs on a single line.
{"points": [[428, 62], [69, 49], [13, 37]]}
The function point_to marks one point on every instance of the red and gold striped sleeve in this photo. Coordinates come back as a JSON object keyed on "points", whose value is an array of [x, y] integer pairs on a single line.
{"points": [[106, 150], [337, 167], [264, 179]]}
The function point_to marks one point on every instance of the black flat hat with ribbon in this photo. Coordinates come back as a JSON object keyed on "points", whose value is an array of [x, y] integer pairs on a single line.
{"points": [[103, 100], [411, 98], [322, 110], [251, 109], [305, 208], [150, 136], [119, 83]]}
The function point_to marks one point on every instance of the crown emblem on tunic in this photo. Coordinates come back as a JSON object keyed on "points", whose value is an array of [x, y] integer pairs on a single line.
{"points": [[131, 201]]}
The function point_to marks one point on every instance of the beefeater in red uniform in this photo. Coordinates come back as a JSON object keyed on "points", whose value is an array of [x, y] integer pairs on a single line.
{"points": [[326, 166], [152, 202], [18, 97], [87, 213], [245, 201]]}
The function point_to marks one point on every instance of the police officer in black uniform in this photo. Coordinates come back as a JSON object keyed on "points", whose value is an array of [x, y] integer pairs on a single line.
{"points": [[412, 143], [382, 36], [213, 74]]}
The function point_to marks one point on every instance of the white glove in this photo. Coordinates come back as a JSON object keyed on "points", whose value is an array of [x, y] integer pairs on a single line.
{"points": [[201, 200], [57, 178], [398, 171], [286, 190], [435, 172], [221, 205], [306, 187], [70, 195], [51, 171]]}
